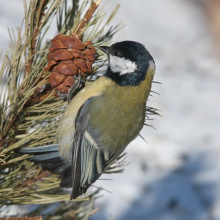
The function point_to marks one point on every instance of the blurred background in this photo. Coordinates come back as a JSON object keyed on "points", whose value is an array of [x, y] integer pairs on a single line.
{"points": [[176, 174]]}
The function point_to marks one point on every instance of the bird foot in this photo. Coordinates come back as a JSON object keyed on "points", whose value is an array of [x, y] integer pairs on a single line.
{"points": [[73, 89]]}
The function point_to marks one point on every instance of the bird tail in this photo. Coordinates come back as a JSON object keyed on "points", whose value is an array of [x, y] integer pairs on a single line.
{"points": [[48, 157]]}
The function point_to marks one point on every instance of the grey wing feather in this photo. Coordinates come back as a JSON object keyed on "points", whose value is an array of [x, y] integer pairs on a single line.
{"points": [[88, 161]]}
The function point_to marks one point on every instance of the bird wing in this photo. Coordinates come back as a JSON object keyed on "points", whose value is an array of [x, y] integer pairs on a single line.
{"points": [[88, 159]]}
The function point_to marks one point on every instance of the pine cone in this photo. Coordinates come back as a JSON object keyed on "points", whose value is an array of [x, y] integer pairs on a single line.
{"points": [[69, 56]]}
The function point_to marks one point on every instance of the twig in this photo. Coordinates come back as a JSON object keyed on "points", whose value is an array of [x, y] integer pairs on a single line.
{"points": [[37, 22], [87, 17]]}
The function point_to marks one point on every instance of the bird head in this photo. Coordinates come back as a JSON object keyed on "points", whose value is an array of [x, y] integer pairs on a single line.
{"points": [[129, 62]]}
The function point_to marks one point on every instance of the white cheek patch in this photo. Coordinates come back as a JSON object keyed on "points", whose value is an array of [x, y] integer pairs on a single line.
{"points": [[121, 65]]}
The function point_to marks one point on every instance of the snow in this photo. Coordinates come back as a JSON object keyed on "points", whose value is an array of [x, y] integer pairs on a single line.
{"points": [[175, 175]]}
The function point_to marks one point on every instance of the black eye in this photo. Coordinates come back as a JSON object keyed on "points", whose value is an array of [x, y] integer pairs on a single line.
{"points": [[117, 53]]}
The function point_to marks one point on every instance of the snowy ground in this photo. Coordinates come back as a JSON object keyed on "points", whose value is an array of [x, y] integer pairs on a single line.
{"points": [[176, 175]]}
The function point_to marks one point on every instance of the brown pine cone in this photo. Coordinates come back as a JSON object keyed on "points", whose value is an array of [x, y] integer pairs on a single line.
{"points": [[69, 56]]}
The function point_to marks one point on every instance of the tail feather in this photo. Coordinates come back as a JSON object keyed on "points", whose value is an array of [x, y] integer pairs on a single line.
{"points": [[66, 178], [40, 149], [48, 157]]}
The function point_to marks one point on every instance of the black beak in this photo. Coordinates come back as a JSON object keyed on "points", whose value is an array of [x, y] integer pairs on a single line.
{"points": [[104, 49]]}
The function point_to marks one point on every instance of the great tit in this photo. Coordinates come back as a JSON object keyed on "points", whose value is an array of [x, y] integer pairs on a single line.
{"points": [[102, 119]]}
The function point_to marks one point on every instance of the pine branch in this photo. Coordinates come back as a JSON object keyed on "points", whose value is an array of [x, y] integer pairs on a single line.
{"points": [[30, 111]]}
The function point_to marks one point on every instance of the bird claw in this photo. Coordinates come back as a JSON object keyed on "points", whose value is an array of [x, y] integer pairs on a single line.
{"points": [[74, 88]]}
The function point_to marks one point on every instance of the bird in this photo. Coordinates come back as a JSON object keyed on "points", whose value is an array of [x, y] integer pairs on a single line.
{"points": [[101, 119]]}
